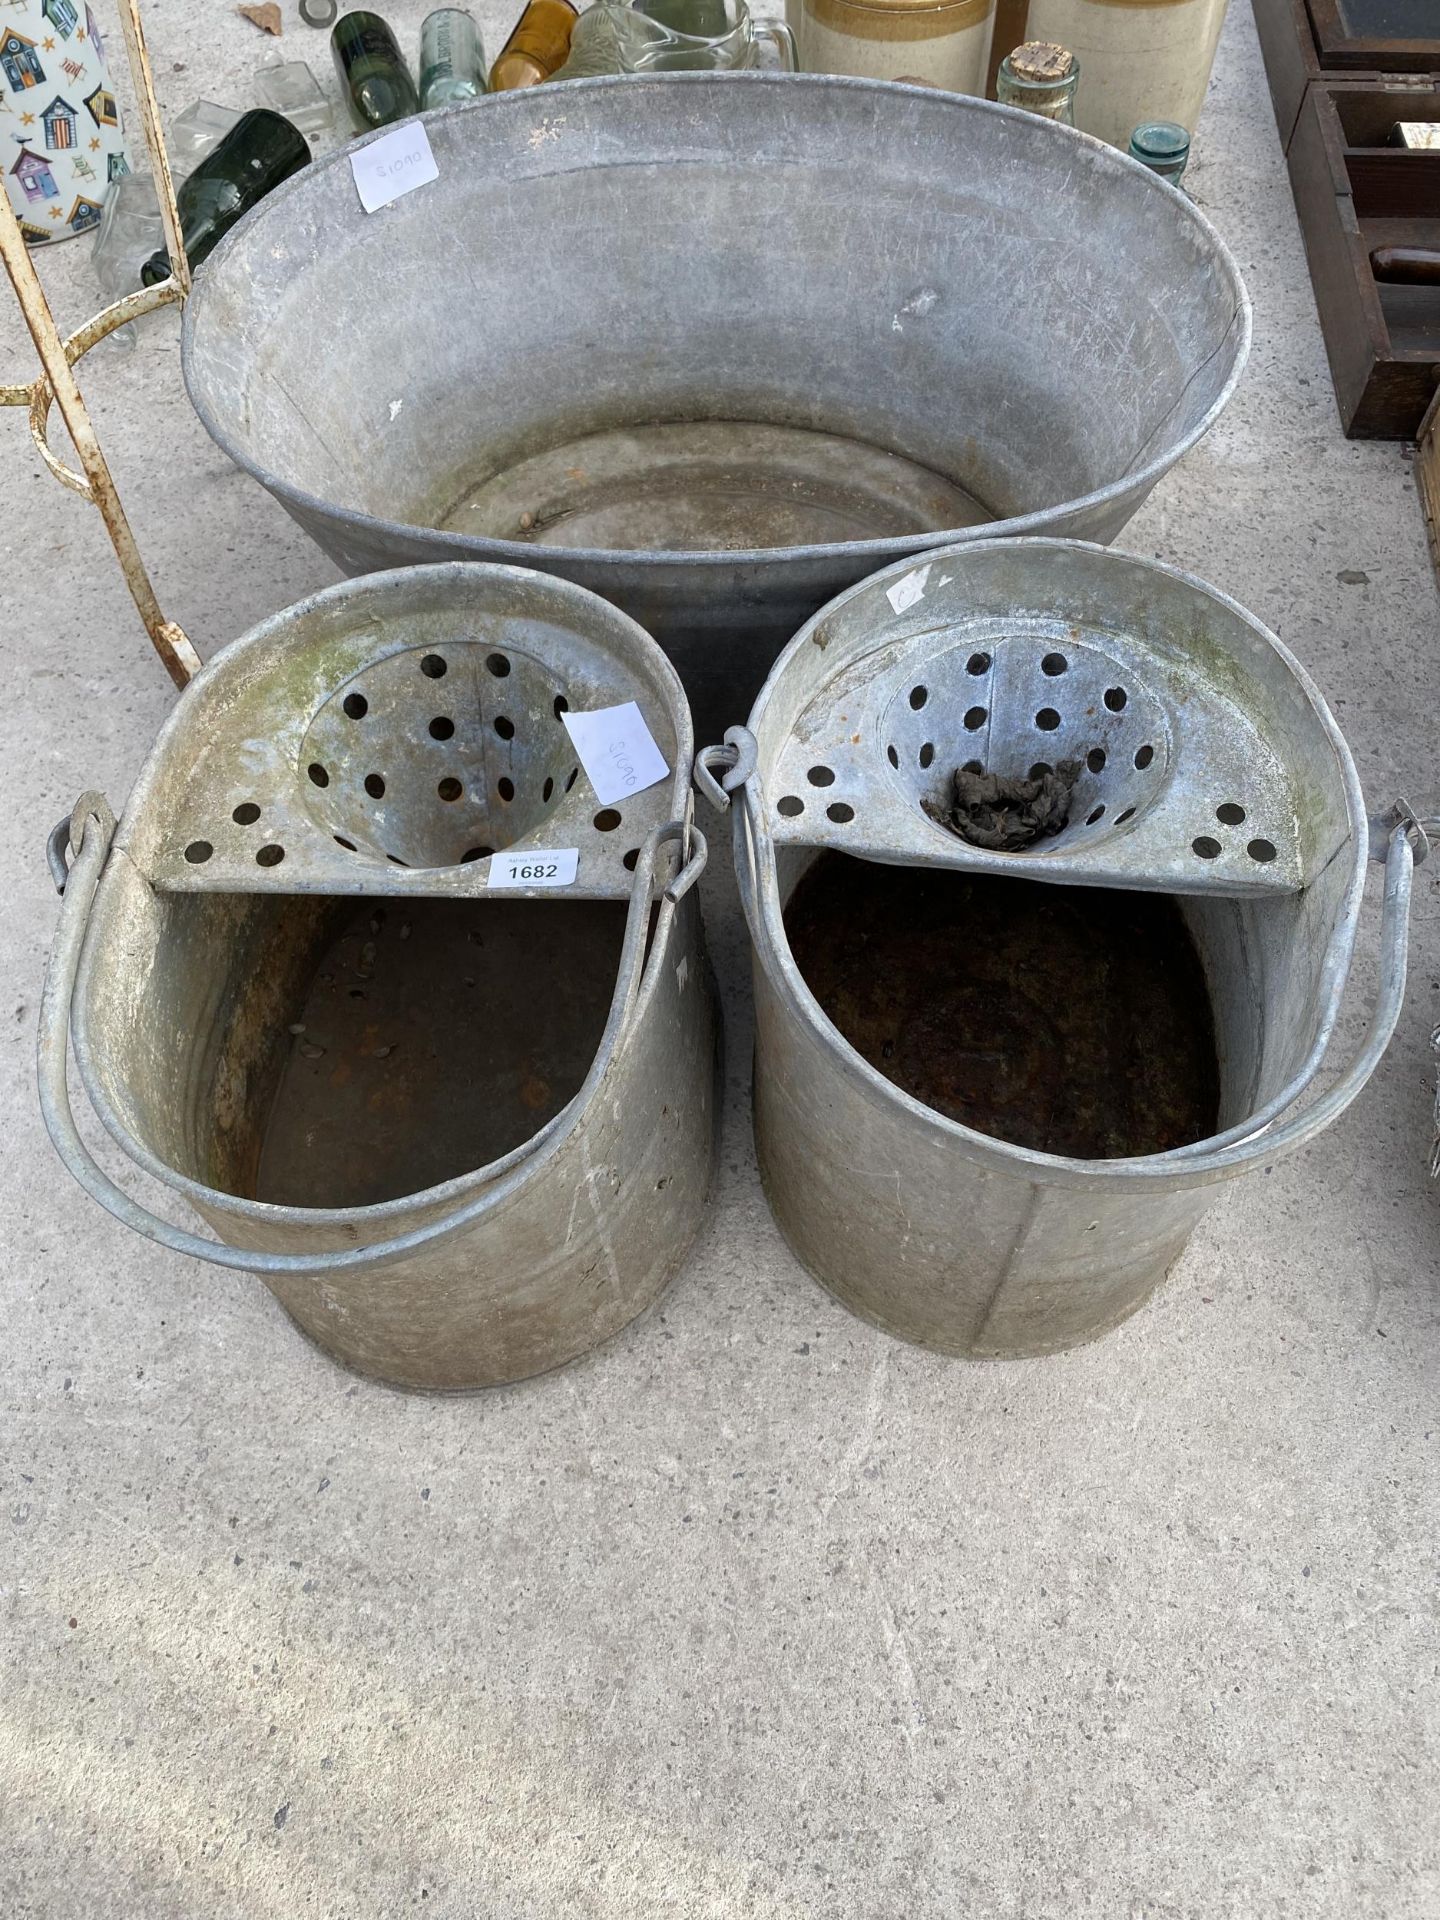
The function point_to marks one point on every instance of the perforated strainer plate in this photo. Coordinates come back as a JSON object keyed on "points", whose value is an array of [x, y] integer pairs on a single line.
{"points": [[394, 735], [1193, 737]]}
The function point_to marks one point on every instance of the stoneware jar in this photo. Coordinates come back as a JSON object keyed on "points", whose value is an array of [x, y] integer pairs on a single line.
{"points": [[1140, 60], [948, 46], [61, 141]]}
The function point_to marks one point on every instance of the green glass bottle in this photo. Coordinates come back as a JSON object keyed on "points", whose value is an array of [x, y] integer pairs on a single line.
{"points": [[259, 151], [372, 71]]}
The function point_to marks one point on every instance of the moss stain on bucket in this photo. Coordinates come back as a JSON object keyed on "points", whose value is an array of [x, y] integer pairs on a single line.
{"points": [[1066, 1020]]}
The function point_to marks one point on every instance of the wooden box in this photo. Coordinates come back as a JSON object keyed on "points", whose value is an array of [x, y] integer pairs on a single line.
{"points": [[1307, 40], [1355, 193]]}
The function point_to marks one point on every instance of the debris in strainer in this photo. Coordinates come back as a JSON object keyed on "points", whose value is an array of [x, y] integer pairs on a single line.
{"points": [[1005, 815]]}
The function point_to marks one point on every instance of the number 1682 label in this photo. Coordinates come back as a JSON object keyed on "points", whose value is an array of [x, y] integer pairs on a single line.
{"points": [[535, 869]]}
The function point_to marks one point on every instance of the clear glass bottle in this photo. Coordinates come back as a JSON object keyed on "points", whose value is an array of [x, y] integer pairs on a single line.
{"points": [[373, 73], [1162, 146], [1041, 77], [537, 46], [260, 151], [452, 59]]}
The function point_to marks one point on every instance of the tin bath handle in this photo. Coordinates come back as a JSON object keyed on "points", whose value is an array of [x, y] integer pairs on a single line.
{"points": [[94, 822]]}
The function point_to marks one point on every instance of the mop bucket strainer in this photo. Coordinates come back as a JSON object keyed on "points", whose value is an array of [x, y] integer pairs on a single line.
{"points": [[330, 984], [1177, 785]]}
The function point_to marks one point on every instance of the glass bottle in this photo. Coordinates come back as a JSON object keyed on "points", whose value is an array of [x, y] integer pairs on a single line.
{"points": [[536, 48], [1162, 146], [452, 59], [1041, 77], [372, 70], [260, 150]]}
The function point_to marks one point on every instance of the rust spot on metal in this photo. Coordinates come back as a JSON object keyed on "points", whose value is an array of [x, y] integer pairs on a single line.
{"points": [[1069, 1020]]}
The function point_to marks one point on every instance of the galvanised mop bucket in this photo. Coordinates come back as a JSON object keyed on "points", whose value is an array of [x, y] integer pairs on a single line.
{"points": [[718, 345], [1214, 815], [461, 1123]]}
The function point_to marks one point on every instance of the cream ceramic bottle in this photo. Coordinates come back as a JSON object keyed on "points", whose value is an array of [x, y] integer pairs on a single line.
{"points": [[947, 45], [1139, 59]]}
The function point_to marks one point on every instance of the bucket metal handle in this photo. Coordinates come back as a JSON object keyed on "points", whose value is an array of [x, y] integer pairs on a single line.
{"points": [[91, 829], [1398, 840]]}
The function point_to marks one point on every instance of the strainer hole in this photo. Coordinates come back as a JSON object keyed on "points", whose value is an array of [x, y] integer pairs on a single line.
{"points": [[498, 664], [840, 813], [246, 814], [562, 705], [1143, 756], [1121, 818], [319, 776], [270, 856], [548, 788], [396, 861], [1261, 850], [975, 718], [475, 853], [505, 788], [790, 805], [1207, 848], [973, 766], [607, 819], [1098, 814], [434, 667], [892, 756], [1047, 719], [1115, 699], [505, 728], [1054, 664], [927, 753], [450, 788], [821, 776], [442, 727], [1095, 759], [978, 663], [1229, 815], [375, 786], [356, 706], [341, 841], [198, 852], [918, 697], [1040, 768], [631, 860], [573, 777]]}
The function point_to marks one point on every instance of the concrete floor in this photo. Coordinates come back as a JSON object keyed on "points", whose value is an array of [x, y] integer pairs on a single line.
{"points": [[756, 1612]]}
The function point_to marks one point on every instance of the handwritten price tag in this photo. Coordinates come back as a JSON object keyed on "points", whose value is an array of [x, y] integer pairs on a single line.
{"points": [[908, 590], [393, 165], [616, 750], [544, 869]]}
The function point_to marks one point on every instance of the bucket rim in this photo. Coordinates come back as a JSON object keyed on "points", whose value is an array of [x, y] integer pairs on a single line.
{"points": [[650, 562], [1202, 1162], [510, 1167]]}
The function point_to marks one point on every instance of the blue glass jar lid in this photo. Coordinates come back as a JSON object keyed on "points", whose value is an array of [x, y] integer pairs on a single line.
{"points": [[1159, 140]]}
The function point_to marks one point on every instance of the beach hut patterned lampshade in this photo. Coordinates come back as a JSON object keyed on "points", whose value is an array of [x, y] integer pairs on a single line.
{"points": [[61, 142]]}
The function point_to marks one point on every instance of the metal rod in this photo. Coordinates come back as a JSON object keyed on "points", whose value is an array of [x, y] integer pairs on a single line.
{"points": [[140, 72], [58, 385]]}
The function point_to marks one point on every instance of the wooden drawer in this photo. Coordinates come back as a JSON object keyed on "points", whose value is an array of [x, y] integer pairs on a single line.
{"points": [[1355, 193]]}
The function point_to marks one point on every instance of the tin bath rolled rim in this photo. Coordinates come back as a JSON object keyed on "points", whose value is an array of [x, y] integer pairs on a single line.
{"points": [[879, 549]]}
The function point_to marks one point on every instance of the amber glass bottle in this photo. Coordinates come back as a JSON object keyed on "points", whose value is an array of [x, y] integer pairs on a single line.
{"points": [[537, 46]]}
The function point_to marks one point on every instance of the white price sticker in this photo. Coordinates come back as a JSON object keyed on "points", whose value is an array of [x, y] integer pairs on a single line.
{"points": [[906, 592], [617, 751], [542, 869], [393, 165]]}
